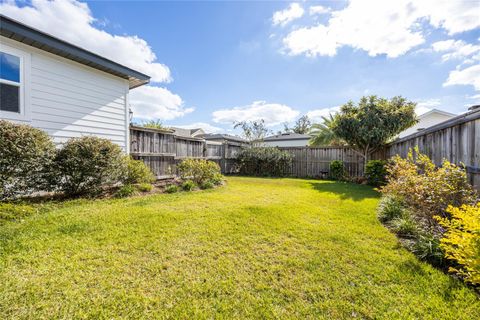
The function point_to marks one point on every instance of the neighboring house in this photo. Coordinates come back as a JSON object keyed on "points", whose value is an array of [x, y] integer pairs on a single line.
{"points": [[188, 133], [217, 137], [61, 88], [287, 140], [426, 120]]}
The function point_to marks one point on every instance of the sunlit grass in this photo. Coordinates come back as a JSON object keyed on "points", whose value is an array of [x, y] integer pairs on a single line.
{"points": [[256, 248]]}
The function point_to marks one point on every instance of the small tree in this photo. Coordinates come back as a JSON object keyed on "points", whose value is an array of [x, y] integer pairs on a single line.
{"points": [[253, 131], [302, 125], [372, 123]]}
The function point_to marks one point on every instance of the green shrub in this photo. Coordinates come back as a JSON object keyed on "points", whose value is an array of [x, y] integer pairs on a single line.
{"points": [[207, 185], [217, 179], [145, 187], [10, 211], [427, 248], [461, 241], [390, 207], [188, 185], [26, 154], [337, 170], [263, 161], [428, 189], [376, 172], [404, 226], [85, 165], [125, 191], [171, 188], [198, 170], [137, 172]]}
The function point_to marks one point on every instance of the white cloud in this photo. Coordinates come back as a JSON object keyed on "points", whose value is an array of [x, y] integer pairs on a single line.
{"points": [[72, 21], [317, 114], [452, 15], [207, 127], [314, 10], [457, 49], [466, 76], [382, 27], [272, 113], [423, 106], [294, 11], [157, 103], [311, 41]]}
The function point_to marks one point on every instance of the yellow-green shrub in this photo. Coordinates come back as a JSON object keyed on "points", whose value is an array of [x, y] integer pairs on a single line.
{"points": [[461, 241], [426, 188], [137, 172], [199, 171]]}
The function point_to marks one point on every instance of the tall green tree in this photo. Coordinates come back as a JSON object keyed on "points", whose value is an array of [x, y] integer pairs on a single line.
{"points": [[253, 131], [323, 136], [373, 122]]}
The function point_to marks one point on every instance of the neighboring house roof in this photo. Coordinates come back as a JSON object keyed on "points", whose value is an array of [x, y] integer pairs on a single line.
{"points": [[436, 111], [190, 133], [218, 136], [288, 136], [427, 120], [18, 31]]}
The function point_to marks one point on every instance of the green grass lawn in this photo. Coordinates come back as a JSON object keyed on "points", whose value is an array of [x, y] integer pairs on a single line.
{"points": [[256, 248]]}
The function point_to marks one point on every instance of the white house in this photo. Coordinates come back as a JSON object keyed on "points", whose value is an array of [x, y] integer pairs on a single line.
{"points": [[426, 120], [61, 88], [287, 140]]}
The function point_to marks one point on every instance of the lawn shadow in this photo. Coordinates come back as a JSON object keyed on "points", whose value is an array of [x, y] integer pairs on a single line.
{"points": [[345, 190]]}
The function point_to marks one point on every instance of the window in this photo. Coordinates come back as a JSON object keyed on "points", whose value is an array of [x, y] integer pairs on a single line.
{"points": [[10, 83]]}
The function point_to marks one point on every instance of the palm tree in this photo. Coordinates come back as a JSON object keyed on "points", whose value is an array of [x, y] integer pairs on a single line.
{"points": [[323, 136]]}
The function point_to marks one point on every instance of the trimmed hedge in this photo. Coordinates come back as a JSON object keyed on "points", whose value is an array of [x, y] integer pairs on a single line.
{"points": [[26, 155], [84, 166]]}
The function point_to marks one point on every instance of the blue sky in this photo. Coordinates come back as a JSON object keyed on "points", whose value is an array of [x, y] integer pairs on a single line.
{"points": [[217, 62]]}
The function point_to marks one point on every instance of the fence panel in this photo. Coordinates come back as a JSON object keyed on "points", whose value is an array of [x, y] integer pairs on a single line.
{"points": [[457, 140]]}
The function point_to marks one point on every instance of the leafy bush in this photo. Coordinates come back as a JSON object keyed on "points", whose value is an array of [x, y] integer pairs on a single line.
{"points": [[188, 185], [26, 154], [461, 241], [217, 179], [207, 185], [405, 226], [263, 161], [10, 211], [427, 248], [428, 189], [85, 165], [145, 187], [137, 172], [390, 207], [337, 170], [171, 188], [125, 191], [198, 170], [376, 172]]}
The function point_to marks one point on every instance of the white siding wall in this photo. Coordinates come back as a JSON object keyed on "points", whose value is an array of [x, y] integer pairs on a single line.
{"points": [[68, 99], [287, 143]]}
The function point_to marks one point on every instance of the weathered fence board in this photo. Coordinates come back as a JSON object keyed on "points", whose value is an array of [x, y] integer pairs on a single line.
{"points": [[457, 140]]}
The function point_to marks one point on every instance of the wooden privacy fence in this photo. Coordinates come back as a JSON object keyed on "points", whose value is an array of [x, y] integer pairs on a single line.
{"points": [[457, 140], [315, 162], [161, 150]]}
